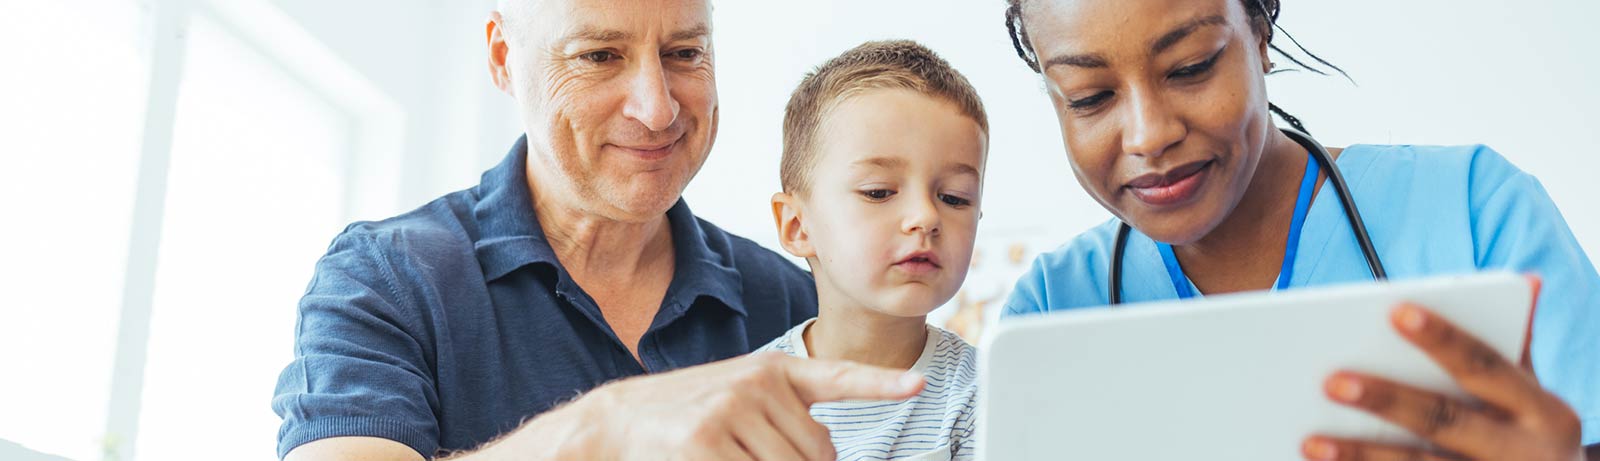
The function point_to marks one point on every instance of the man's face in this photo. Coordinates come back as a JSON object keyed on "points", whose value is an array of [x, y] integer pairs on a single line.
{"points": [[618, 98]]}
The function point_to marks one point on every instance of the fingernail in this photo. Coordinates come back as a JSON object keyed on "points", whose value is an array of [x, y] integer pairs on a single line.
{"points": [[1321, 450], [1412, 319], [1345, 388]]}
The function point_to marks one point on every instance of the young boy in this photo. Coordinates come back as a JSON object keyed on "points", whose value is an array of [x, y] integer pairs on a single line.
{"points": [[883, 156]]}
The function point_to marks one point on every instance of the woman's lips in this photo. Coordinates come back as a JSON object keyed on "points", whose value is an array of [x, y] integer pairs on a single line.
{"points": [[1171, 188]]}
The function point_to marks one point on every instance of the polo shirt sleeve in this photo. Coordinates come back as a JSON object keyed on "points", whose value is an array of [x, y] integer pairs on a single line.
{"points": [[1517, 227], [359, 367]]}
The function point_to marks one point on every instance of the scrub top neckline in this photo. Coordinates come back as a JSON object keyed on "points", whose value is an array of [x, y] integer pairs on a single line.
{"points": [[1302, 205]]}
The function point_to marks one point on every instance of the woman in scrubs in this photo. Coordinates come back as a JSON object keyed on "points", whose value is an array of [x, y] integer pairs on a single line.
{"points": [[1164, 112]]}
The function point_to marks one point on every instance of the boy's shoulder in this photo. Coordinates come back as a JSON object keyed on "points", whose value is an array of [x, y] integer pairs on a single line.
{"points": [[953, 365], [788, 342]]}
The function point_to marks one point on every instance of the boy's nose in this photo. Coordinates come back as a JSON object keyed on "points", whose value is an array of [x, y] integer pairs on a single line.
{"points": [[922, 217]]}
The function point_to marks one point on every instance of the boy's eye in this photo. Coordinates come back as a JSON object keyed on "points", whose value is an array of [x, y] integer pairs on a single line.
{"points": [[954, 200], [877, 194]]}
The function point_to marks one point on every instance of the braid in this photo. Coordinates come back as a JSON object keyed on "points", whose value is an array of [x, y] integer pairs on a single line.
{"points": [[1019, 35], [1292, 120]]}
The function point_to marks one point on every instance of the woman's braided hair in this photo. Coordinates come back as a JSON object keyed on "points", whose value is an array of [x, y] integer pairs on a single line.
{"points": [[1263, 16]]}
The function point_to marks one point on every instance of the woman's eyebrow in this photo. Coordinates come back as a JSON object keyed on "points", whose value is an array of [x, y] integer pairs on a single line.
{"points": [[1167, 40], [1181, 32]]}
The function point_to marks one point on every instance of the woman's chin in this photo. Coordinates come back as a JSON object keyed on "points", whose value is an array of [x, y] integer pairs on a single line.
{"points": [[1174, 228]]}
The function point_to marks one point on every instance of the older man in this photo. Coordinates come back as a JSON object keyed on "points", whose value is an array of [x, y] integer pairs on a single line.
{"points": [[459, 329]]}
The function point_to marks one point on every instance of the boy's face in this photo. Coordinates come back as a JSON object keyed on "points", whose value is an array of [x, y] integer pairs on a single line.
{"points": [[893, 204]]}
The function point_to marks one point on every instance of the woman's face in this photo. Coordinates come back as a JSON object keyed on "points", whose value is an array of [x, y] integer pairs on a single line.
{"points": [[1162, 104]]}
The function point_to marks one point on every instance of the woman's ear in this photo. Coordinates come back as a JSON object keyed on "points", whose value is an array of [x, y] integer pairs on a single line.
{"points": [[1264, 50], [789, 214]]}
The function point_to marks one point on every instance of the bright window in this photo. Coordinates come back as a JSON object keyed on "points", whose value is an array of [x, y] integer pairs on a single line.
{"points": [[70, 128], [256, 193]]}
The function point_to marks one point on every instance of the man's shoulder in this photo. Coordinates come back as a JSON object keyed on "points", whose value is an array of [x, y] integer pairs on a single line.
{"points": [[427, 243], [753, 261], [441, 225]]}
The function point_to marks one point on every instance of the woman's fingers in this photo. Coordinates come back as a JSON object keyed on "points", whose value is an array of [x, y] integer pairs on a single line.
{"points": [[1475, 366], [1449, 423], [1333, 449]]}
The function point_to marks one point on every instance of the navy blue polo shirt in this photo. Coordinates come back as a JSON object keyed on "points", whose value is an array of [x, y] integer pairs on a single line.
{"points": [[448, 326]]}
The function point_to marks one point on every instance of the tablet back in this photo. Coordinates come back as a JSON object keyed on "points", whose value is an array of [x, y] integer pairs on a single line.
{"points": [[1235, 377]]}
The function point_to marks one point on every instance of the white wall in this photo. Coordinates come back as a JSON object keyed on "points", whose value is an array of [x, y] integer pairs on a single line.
{"points": [[429, 55], [1515, 75]]}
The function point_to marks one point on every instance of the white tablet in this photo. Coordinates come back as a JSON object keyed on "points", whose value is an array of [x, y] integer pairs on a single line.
{"points": [[1236, 377]]}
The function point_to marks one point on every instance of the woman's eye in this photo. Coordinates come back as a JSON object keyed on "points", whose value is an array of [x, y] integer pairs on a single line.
{"points": [[954, 200], [877, 194], [1089, 102], [598, 57], [1197, 69]]}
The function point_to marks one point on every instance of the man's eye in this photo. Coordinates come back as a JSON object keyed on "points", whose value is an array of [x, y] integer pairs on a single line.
{"points": [[877, 194], [599, 56], [687, 54], [954, 200]]}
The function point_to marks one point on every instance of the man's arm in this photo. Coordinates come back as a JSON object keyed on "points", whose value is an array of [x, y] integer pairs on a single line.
{"points": [[753, 407], [354, 449]]}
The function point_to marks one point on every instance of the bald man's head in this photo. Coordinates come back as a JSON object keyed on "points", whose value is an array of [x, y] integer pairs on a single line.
{"points": [[618, 98]]}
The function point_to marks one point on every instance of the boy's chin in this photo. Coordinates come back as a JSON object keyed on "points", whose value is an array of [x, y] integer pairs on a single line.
{"points": [[911, 301]]}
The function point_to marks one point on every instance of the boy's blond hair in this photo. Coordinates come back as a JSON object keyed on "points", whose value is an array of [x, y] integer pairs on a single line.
{"points": [[895, 64]]}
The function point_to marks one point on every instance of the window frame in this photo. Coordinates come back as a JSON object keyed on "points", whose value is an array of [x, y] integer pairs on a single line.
{"points": [[371, 167]]}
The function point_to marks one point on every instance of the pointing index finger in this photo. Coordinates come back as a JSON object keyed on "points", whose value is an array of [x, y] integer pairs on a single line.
{"points": [[827, 381]]}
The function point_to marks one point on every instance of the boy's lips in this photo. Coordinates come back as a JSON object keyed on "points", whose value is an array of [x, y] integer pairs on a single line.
{"points": [[919, 263]]}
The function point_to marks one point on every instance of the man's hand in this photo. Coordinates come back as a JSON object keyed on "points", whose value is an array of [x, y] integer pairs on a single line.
{"points": [[754, 407], [748, 408], [1516, 419]]}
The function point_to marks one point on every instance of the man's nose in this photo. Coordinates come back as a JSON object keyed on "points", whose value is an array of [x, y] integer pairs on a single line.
{"points": [[649, 96]]}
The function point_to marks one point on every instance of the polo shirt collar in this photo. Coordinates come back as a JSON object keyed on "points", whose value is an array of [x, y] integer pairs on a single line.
{"points": [[510, 238]]}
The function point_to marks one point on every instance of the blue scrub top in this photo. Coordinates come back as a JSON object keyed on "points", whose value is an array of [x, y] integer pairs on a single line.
{"points": [[1430, 211]]}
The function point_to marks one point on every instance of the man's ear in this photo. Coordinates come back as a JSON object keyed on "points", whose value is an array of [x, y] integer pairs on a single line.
{"points": [[788, 213], [495, 32]]}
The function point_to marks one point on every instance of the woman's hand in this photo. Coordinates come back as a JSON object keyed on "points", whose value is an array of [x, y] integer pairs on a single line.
{"points": [[1515, 419]]}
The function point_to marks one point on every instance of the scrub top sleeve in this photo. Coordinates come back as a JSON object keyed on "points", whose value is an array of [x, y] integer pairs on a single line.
{"points": [[1028, 297], [358, 368], [1517, 227]]}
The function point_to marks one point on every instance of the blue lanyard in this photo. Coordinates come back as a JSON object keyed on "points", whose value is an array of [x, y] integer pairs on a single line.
{"points": [[1302, 204]]}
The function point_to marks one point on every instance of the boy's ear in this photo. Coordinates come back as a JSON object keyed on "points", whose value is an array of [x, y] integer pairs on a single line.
{"points": [[787, 214]]}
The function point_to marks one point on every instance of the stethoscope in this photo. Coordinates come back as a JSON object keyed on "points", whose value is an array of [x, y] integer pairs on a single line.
{"points": [[1325, 160]]}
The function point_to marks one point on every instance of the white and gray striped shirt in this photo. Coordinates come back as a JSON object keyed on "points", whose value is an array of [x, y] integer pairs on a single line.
{"points": [[937, 424]]}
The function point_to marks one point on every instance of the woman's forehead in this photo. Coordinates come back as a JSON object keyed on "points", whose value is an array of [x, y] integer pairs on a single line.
{"points": [[1072, 27]]}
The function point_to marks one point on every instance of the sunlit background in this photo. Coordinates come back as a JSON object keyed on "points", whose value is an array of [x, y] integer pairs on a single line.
{"points": [[171, 169]]}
